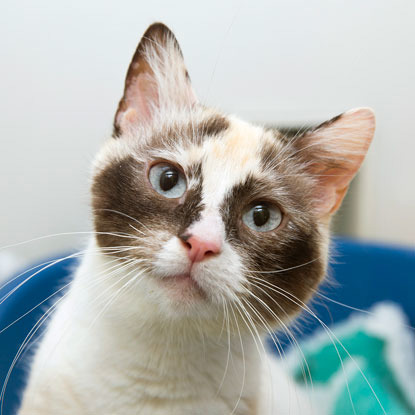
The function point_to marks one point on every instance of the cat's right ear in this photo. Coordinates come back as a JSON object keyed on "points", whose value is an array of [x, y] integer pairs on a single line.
{"points": [[156, 80], [333, 153]]}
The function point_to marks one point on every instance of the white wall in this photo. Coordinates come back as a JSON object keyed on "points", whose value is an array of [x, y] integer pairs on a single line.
{"points": [[62, 68]]}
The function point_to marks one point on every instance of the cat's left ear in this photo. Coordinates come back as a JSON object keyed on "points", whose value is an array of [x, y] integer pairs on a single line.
{"points": [[156, 80], [333, 153]]}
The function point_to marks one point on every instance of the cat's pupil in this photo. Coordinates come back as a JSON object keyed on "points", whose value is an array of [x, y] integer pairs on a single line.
{"points": [[260, 215], [168, 179]]}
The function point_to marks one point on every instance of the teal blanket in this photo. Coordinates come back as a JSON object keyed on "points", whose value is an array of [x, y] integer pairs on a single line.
{"points": [[365, 366]]}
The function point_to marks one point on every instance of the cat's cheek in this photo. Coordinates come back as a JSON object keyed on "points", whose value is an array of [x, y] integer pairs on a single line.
{"points": [[171, 259]]}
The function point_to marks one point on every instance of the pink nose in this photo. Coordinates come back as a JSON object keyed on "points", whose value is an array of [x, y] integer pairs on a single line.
{"points": [[199, 249]]}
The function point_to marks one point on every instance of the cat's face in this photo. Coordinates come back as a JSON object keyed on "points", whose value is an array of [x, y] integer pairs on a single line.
{"points": [[215, 210]]}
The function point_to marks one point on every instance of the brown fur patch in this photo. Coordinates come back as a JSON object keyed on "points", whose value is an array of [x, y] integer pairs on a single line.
{"points": [[191, 132], [288, 260], [121, 191], [213, 125]]}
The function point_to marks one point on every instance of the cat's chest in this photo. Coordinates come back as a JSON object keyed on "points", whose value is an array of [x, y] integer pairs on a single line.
{"points": [[200, 385], [127, 392], [99, 372]]}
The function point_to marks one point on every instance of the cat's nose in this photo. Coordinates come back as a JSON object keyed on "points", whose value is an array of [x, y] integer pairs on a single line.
{"points": [[198, 248]]}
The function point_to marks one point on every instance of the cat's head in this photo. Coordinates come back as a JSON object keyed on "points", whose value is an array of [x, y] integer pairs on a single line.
{"points": [[212, 209]]}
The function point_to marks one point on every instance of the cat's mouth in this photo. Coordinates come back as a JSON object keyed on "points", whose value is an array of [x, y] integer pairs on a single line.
{"points": [[183, 286]]}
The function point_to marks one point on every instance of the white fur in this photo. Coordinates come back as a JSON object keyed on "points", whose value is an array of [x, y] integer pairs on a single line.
{"points": [[132, 359]]}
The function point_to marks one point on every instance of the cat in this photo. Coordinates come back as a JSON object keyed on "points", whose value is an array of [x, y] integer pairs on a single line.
{"points": [[210, 233]]}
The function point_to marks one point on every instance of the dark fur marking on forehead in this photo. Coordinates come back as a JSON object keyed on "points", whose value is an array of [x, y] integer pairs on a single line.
{"points": [[214, 125], [193, 131]]}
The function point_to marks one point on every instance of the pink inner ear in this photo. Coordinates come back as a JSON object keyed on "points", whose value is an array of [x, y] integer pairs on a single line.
{"points": [[338, 148], [141, 98], [331, 189], [156, 80]]}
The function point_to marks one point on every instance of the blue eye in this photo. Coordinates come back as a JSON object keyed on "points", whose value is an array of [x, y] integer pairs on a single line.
{"points": [[262, 217], [167, 180]]}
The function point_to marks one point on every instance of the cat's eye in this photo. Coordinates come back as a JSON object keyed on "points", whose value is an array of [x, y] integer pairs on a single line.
{"points": [[262, 217], [167, 180]]}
